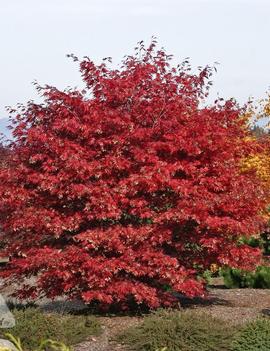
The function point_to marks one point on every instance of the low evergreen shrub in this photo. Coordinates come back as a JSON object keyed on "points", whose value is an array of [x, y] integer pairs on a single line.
{"points": [[34, 325], [254, 336], [237, 278], [175, 331]]}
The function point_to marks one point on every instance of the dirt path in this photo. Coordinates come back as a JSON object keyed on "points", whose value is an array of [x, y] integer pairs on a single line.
{"points": [[111, 327]]}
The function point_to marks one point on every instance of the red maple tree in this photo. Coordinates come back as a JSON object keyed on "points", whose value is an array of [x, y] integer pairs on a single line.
{"points": [[128, 186]]}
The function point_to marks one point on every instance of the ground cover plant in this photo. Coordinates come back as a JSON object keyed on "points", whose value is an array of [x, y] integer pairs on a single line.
{"points": [[163, 330], [185, 331], [34, 325], [193, 331], [122, 192], [253, 336]]}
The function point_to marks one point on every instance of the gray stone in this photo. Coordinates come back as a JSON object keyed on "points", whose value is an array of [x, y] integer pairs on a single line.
{"points": [[6, 317], [7, 344]]}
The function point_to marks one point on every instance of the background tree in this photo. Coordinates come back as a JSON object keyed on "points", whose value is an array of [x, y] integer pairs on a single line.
{"points": [[259, 159], [4, 154], [128, 186]]}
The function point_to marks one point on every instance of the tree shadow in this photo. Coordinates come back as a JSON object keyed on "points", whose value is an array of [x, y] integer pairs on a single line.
{"points": [[187, 302], [265, 312]]}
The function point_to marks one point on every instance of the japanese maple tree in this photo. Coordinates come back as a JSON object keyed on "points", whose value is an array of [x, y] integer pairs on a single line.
{"points": [[128, 186]]}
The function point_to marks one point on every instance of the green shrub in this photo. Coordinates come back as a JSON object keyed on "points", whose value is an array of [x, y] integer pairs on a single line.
{"points": [[174, 331], [207, 276], [252, 241], [263, 241], [253, 336], [237, 278], [266, 243], [34, 325]]}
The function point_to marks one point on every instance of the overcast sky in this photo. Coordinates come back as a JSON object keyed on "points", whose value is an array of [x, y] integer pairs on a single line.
{"points": [[36, 36]]}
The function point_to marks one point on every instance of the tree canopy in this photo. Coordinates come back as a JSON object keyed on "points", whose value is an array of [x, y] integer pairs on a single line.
{"points": [[128, 187]]}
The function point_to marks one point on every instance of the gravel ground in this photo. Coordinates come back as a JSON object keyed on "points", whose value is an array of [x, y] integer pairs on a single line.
{"points": [[236, 305], [233, 305]]}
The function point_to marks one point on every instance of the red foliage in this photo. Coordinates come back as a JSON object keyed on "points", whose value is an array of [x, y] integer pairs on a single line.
{"points": [[128, 186]]}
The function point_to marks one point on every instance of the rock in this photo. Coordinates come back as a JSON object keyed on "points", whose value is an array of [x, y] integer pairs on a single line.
{"points": [[6, 317], [7, 344]]}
